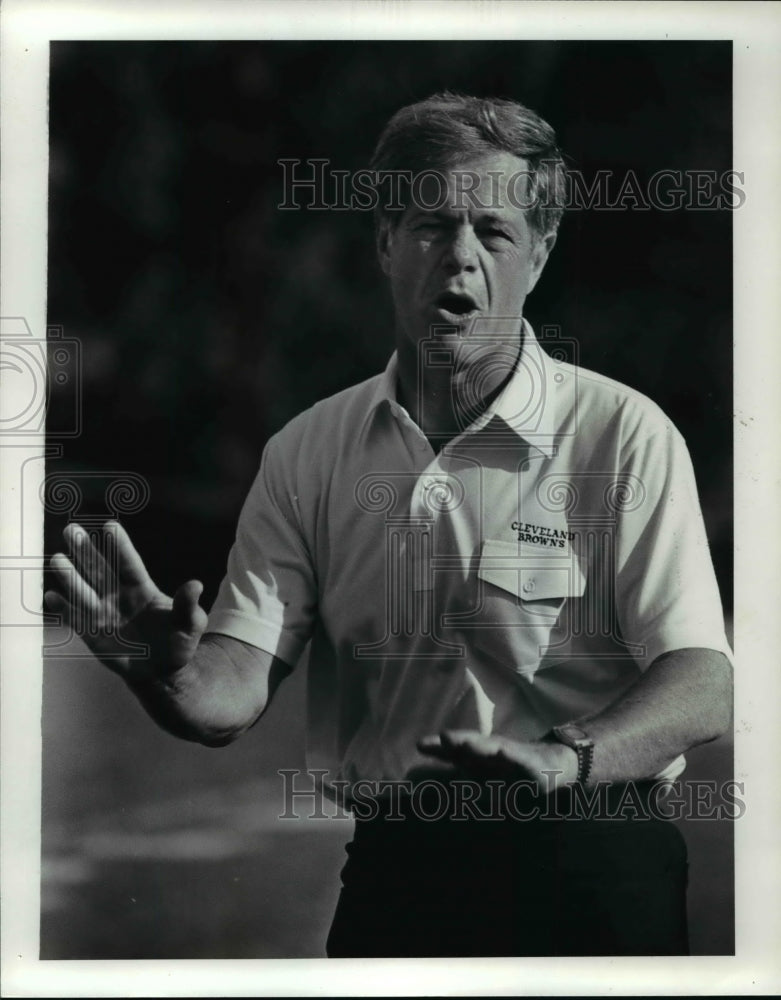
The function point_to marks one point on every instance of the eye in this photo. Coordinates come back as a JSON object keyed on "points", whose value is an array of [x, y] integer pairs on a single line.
{"points": [[496, 234], [429, 226]]}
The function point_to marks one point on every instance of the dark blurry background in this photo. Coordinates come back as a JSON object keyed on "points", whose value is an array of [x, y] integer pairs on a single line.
{"points": [[207, 318]]}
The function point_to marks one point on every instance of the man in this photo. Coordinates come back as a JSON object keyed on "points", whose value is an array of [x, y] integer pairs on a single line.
{"points": [[500, 564]]}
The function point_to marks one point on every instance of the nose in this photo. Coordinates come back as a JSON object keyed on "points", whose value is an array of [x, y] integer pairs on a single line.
{"points": [[461, 253]]}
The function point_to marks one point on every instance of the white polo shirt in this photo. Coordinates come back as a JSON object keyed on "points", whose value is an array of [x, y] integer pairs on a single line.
{"points": [[523, 577]]}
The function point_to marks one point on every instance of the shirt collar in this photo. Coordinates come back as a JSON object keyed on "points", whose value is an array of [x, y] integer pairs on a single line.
{"points": [[385, 390], [526, 404]]}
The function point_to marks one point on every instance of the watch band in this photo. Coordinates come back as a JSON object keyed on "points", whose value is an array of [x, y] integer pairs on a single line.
{"points": [[573, 736]]}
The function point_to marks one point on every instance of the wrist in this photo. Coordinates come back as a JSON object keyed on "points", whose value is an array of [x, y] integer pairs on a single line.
{"points": [[574, 738], [563, 760]]}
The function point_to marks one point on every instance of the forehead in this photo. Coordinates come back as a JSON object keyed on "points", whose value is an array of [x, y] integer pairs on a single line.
{"points": [[496, 183]]}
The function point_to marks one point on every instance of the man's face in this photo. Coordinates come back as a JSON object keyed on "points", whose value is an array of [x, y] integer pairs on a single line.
{"points": [[468, 262]]}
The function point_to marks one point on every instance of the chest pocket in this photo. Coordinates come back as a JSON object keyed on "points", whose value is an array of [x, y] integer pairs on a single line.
{"points": [[522, 591], [531, 573]]}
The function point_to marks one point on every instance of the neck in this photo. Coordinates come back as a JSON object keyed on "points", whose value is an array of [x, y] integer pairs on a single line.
{"points": [[443, 401]]}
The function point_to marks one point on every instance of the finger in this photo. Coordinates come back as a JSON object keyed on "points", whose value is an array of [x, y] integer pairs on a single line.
{"points": [[73, 618], [88, 560], [130, 568], [57, 605], [474, 752], [435, 750], [75, 588], [465, 761], [103, 649], [430, 744], [456, 743], [472, 742], [187, 615]]}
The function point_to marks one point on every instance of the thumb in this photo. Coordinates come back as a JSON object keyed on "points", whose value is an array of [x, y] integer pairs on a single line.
{"points": [[186, 614]]}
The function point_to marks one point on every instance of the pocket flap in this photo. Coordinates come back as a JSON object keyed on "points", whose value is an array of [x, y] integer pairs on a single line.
{"points": [[531, 573]]}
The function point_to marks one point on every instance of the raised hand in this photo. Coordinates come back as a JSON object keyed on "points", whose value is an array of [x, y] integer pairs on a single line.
{"points": [[110, 601]]}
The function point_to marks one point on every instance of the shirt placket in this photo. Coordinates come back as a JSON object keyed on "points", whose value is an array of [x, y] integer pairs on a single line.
{"points": [[412, 543]]}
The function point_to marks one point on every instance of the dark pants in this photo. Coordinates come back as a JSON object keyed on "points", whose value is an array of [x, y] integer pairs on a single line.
{"points": [[417, 888]]}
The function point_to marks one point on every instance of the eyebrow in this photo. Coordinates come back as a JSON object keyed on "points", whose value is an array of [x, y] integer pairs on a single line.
{"points": [[493, 219], [490, 218]]}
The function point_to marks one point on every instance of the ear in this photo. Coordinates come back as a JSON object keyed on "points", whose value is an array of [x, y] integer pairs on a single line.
{"points": [[384, 241], [540, 257]]}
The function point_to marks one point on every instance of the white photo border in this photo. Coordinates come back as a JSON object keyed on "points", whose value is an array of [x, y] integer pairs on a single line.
{"points": [[755, 29]]}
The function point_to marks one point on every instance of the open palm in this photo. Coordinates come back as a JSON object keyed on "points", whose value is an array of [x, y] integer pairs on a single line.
{"points": [[107, 596]]}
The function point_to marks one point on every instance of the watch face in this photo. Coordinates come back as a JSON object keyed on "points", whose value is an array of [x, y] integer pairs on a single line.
{"points": [[573, 734]]}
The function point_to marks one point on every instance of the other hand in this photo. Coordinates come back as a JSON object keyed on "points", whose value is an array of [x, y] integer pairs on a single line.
{"points": [[549, 765]]}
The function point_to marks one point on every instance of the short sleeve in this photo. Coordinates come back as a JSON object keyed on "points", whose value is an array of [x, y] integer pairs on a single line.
{"points": [[666, 588], [268, 597]]}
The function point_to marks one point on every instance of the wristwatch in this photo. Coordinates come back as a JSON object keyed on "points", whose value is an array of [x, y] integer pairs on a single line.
{"points": [[572, 735]]}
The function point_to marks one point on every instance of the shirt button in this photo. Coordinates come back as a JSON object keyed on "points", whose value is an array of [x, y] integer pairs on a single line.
{"points": [[528, 587], [422, 445]]}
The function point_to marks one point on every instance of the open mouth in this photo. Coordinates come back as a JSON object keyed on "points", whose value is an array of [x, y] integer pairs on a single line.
{"points": [[455, 304]]}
